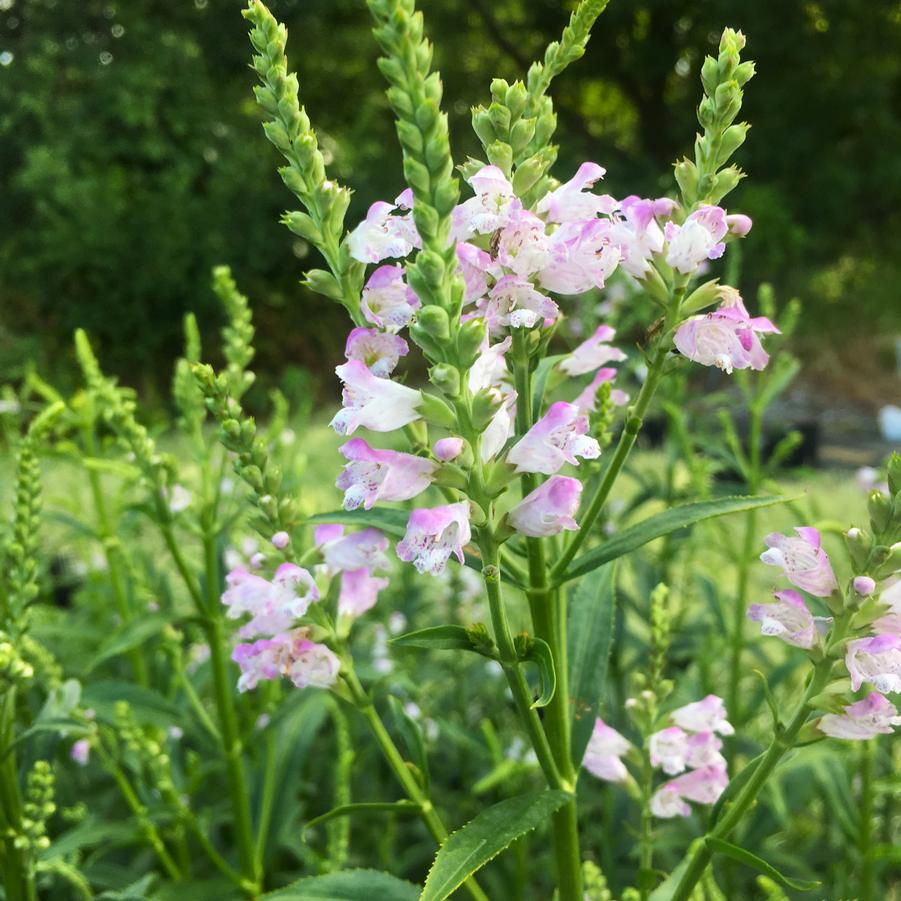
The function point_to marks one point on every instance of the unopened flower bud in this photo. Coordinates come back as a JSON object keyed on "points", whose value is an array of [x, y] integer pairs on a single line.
{"points": [[864, 585], [281, 540], [448, 449]]}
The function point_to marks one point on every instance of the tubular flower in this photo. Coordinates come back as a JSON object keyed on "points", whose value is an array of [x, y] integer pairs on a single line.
{"points": [[289, 654], [573, 199], [593, 353], [476, 266], [344, 553], [501, 427], [699, 238], [489, 210], [602, 756], [876, 660], [359, 591], [802, 559], [707, 715], [666, 803], [874, 715], [372, 475], [272, 606], [789, 619], [382, 236], [373, 403], [379, 351], [433, 534], [387, 300], [513, 302], [549, 509], [523, 247], [669, 750], [558, 437], [582, 257], [725, 338], [637, 233]]}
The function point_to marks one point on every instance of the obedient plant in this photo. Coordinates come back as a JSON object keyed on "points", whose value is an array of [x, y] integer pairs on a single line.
{"points": [[492, 491]]}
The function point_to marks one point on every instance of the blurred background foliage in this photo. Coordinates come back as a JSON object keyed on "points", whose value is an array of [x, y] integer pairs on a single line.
{"points": [[133, 159]]}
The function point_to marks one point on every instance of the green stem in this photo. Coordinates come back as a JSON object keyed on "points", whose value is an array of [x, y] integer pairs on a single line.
{"points": [[646, 828], [404, 774], [735, 810], [18, 878], [867, 814], [631, 428]]}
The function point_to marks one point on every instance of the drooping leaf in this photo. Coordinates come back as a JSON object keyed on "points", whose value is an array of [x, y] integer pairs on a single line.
{"points": [[540, 654], [592, 615], [364, 808], [484, 837], [348, 885], [719, 846], [633, 537]]}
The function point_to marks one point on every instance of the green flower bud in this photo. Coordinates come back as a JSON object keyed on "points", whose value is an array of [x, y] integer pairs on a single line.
{"points": [[470, 339], [702, 297], [435, 322], [436, 411], [500, 154], [446, 378], [880, 509]]}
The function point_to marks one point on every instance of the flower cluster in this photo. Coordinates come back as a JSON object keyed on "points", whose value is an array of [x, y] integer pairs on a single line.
{"points": [[690, 746]]}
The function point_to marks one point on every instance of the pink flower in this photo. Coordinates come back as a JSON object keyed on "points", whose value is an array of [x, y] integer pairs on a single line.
{"points": [[523, 247], [874, 715], [789, 619], [80, 752], [387, 301], [707, 715], [381, 235], [725, 338], [500, 429], [344, 553], [864, 585], [490, 369], [549, 509], [373, 403], [313, 666], [514, 302], [372, 475], [359, 592], [582, 257], [602, 756], [558, 437], [703, 785], [739, 224], [380, 351], [699, 238], [447, 449], [433, 535], [592, 353], [587, 400], [289, 654], [666, 803], [272, 606], [802, 559], [876, 660], [573, 199], [489, 210], [637, 233], [476, 266], [704, 751], [669, 749]]}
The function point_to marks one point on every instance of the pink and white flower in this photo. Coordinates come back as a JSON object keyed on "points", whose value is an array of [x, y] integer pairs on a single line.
{"points": [[872, 716], [359, 591], [373, 475], [387, 301], [489, 210], [373, 403], [80, 752], [523, 246], [666, 803], [703, 785], [490, 369], [513, 302], [637, 233], [476, 266], [381, 236], [876, 660], [698, 239], [726, 337], [802, 559], [707, 715], [582, 257], [593, 353], [558, 437], [380, 351], [433, 534], [788, 619], [499, 431], [669, 750], [345, 553], [574, 200], [602, 756], [549, 509], [704, 751], [272, 606]]}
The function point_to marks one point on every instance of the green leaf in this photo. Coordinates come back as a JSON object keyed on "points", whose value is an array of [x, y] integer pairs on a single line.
{"points": [[442, 638], [667, 888], [539, 653], [484, 837], [752, 860], [540, 380], [131, 635], [735, 785], [592, 616], [364, 807], [348, 885], [633, 537]]}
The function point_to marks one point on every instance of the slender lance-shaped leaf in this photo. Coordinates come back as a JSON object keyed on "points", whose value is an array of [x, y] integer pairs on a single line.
{"points": [[592, 612], [752, 860], [664, 523], [348, 885], [440, 638], [484, 837]]}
